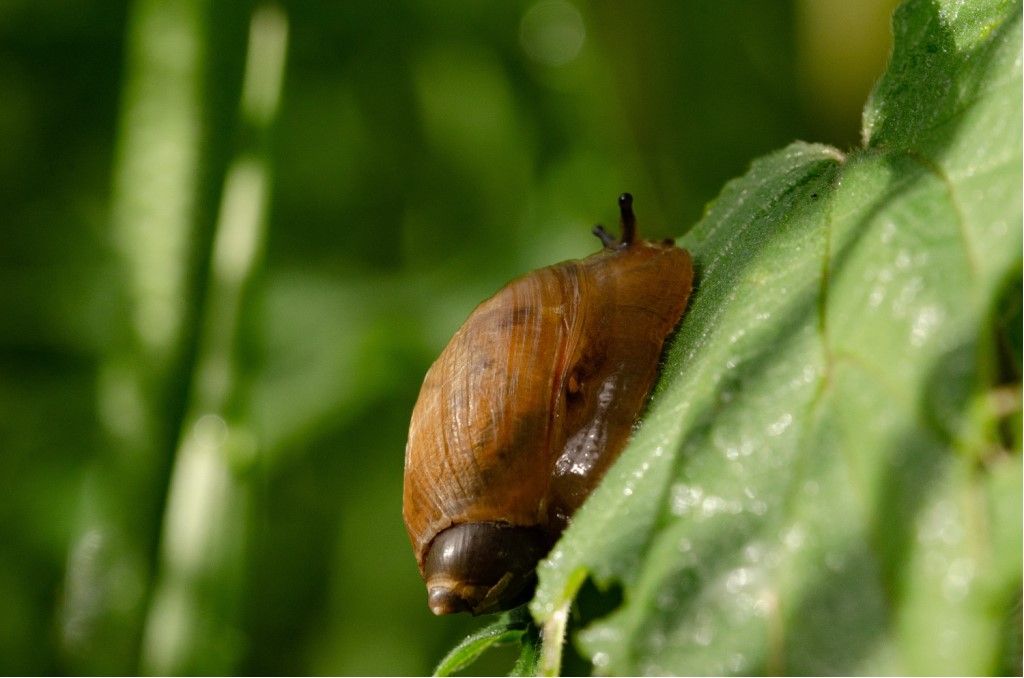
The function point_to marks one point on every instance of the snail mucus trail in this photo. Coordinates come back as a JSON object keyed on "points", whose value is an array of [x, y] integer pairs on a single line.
{"points": [[527, 406]]}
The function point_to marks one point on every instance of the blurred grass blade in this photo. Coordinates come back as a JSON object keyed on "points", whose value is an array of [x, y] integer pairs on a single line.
{"points": [[156, 180], [192, 625], [154, 209]]}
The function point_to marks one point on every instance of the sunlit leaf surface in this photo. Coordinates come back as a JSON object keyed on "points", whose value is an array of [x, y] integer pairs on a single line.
{"points": [[826, 481]]}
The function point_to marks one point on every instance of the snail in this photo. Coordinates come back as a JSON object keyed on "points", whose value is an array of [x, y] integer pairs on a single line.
{"points": [[527, 406]]}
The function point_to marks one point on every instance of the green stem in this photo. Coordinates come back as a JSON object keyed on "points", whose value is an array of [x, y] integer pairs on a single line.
{"points": [[552, 639]]}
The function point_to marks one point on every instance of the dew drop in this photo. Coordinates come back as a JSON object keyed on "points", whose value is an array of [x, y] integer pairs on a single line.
{"points": [[753, 552], [925, 322], [941, 524], [737, 580], [766, 603], [778, 426], [737, 336], [794, 538], [684, 497], [712, 505]]}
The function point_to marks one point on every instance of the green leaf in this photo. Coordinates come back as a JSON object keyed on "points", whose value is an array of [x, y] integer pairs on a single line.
{"points": [[529, 653], [513, 626], [828, 479]]}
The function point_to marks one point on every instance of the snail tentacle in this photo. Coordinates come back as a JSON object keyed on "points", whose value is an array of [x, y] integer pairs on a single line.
{"points": [[607, 239], [627, 219]]}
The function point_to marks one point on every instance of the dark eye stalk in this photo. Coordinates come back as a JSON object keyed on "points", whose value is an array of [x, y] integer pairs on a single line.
{"points": [[627, 223]]}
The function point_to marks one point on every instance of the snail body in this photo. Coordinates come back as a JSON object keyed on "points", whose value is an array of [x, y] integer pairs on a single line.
{"points": [[526, 407]]}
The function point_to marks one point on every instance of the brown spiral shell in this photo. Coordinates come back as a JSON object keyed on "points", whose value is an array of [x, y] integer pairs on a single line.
{"points": [[524, 410]]}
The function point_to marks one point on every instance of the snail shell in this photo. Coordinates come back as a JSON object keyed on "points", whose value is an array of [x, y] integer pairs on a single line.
{"points": [[525, 409]]}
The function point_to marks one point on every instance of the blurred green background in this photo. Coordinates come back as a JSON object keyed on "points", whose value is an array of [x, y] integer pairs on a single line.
{"points": [[234, 237]]}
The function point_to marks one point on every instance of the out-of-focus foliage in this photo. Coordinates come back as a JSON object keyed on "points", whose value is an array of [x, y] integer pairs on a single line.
{"points": [[218, 305]]}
